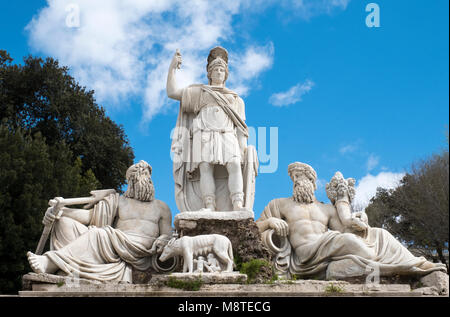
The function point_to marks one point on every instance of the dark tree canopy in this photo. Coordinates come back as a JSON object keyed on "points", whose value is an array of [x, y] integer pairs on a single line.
{"points": [[40, 96], [54, 141], [417, 212]]}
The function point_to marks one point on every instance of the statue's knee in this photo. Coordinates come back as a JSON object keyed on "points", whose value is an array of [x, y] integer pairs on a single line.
{"points": [[233, 166], [205, 168], [65, 222], [357, 247]]}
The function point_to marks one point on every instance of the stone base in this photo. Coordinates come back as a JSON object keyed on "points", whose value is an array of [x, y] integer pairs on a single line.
{"points": [[205, 278], [188, 219], [435, 283], [46, 285], [437, 280], [32, 281], [303, 288]]}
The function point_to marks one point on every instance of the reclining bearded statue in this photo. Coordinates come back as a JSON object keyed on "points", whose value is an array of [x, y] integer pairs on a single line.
{"points": [[305, 235], [105, 241]]}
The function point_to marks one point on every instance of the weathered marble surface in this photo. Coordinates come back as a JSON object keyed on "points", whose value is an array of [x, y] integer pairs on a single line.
{"points": [[206, 278], [279, 288], [438, 280]]}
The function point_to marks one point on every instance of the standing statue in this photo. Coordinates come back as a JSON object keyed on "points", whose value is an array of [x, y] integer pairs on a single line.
{"points": [[213, 166], [104, 241], [305, 235]]}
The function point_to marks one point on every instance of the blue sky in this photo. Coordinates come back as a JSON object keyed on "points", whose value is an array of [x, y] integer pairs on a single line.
{"points": [[365, 101]]}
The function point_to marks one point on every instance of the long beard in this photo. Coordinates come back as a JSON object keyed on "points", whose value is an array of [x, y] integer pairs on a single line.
{"points": [[141, 189], [303, 192]]}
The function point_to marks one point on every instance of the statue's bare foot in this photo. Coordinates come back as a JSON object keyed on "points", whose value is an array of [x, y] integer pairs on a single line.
{"points": [[41, 263], [430, 265], [37, 262]]}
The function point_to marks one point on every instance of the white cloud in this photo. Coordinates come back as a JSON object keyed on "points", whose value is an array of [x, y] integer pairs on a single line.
{"points": [[249, 65], [292, 95], [367, 187], [372, 162], [122, 48], [348, 148]]}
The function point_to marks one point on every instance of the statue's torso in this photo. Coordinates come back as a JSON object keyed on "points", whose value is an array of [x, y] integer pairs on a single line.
{"points": [[139, 219], [214, 134], [307, 222], [211, 116]]}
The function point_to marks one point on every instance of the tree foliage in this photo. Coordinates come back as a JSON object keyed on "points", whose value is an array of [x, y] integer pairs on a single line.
{"points": [[54, 141], [417, 212], [40, 96]]}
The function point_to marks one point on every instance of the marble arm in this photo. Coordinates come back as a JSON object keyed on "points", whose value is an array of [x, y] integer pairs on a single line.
{"points": [[165, 222], [280, 226], [172, 89], [344, 212]]}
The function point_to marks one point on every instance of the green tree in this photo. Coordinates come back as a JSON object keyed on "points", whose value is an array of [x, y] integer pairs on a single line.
{"points": [[31, 172], [417, 212], [40, 96]]}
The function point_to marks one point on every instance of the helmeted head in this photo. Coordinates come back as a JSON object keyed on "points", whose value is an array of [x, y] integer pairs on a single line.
{"points": [[140, 185], [304, 178], [217, 67]]}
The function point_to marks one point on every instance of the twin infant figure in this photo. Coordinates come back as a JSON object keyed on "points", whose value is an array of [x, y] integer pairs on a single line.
{"points": [[209, 265]]}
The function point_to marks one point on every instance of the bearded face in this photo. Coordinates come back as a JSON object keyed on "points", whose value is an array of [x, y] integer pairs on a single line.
{"points": [[303, 190], [140, 185]]}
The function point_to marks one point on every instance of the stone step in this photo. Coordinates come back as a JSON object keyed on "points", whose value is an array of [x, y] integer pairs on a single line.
{"points": [[216, 293], [302, 288]]}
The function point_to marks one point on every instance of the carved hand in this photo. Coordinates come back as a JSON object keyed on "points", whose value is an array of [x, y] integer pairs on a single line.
{"points": [[159, 244], [49, 217], [358, 225], [54, 212], [176, 61], [342, 193], [362, 215], [280, 226]]}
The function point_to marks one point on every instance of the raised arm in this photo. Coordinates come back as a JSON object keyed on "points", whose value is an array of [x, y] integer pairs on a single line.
{"points": [[172, 90], [340, 191], [344, 211]]}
